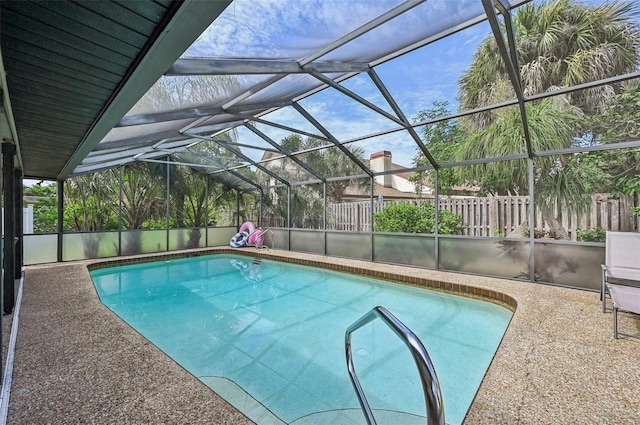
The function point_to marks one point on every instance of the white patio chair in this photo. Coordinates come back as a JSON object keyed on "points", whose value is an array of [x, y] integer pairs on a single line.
{"points": [[625, 298], [622, 261]]}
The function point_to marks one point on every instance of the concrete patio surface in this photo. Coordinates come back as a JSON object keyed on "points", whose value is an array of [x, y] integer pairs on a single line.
{"points": [[76, 362]]}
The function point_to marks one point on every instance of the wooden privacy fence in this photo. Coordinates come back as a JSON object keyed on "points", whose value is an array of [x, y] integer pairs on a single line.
{"points": [[496, 215]]}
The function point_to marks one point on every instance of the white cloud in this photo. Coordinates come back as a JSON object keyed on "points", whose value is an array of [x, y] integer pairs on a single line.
{"points": [[279, 29], [293, 29]]}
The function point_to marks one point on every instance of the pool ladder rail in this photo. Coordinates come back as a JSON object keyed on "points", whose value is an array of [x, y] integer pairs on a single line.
{"points": [[428, 378]]}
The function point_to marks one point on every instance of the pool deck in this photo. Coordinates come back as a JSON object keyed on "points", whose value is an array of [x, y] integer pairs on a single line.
{"points": [[77, 362]]}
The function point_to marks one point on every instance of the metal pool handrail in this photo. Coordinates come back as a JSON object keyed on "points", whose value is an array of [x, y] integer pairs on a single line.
{"points": [[428, 378], [264, 232]]}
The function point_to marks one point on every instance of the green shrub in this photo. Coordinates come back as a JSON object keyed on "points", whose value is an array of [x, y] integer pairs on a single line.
{"points": [[404, 217], [591, 235], [158, 224]]}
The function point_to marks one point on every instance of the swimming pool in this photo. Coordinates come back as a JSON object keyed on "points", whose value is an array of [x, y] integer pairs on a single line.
{"points": [[269, 336]]}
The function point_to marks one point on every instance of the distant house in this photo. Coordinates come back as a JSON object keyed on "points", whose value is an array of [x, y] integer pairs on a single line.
{"points": [[393, 186], [390, 186]]}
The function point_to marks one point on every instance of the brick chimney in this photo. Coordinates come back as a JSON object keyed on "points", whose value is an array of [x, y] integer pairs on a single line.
{"points": [[381, 161]]}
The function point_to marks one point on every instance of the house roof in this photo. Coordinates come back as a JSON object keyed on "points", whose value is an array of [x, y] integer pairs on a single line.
{"points": [[378, 189]]}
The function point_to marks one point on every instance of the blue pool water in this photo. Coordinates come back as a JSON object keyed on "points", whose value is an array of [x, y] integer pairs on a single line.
{"points": [[269, 336]]}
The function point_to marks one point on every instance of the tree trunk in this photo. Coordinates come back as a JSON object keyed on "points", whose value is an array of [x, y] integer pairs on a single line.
{"points": [[179, 200], [556, 228]]}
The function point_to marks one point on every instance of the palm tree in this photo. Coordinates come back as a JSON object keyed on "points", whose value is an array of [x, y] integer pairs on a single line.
{"points": [[175, 93], [89, 202], [141, 189], [552, 125], [559, 44], [90, 207], [306, 207], [332, 162]]}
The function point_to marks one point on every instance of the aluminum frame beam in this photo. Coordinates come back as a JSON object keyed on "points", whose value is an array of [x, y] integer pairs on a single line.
{"points": [[198, 112], [232, 172], [374, 23], [245, 158], [403, 119], [253, 90], [329, 82], [104, 157], [509, 56], [185, 24], [217, 66], [244, 145], [210, 128], [332, 139], [146, 140], [93, 168], [188, 164], [285, 152], [124, 152], [583, 86], [249, 118]]}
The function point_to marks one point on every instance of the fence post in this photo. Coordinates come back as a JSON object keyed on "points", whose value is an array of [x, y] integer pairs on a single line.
{"points": [[626, 222], [513, 206], [615, 215], [493, 216]]}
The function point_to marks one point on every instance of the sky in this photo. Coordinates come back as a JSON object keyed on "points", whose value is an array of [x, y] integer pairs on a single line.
{"points": [[294, 29]]}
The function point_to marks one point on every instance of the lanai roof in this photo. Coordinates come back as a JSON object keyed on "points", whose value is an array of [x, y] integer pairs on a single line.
{"points": [[95, 85]]}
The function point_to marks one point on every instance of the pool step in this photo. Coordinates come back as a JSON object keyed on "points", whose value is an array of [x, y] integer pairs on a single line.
{"points": [[257, 261]]}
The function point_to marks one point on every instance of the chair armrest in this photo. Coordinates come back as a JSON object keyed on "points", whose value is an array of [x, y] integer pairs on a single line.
{"points": [[628, 273], [625, 297]]}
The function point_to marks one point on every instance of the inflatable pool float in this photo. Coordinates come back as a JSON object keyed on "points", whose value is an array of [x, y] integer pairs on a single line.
{"points": [[241, 238], [256, 238]]}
